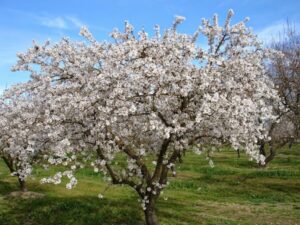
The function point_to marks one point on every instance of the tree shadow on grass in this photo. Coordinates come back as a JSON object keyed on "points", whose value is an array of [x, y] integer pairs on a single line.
{"points": [[12, 185], [76, 211]]}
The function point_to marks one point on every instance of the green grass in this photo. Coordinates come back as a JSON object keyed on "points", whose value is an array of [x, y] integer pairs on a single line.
{"points": [[235, 191]]}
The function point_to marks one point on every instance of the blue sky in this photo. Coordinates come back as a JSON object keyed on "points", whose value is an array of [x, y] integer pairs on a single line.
{"points": [[23, 21]]}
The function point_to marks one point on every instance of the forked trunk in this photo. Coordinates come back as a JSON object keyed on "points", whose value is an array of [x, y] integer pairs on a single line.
{"points": [[271, 154]]}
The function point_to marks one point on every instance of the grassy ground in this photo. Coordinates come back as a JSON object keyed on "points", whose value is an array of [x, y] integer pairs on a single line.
{"points": [[235, 191]]}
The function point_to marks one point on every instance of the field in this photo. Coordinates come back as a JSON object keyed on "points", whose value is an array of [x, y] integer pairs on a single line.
{"points": [[235, 191]]}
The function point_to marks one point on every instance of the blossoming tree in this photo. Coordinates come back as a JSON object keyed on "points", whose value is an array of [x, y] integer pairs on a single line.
{"points": [[24, 136], [150, 99], [18, 114]]}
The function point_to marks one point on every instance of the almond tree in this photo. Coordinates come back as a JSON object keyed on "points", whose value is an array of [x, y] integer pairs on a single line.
{"points": [[150, 99]]}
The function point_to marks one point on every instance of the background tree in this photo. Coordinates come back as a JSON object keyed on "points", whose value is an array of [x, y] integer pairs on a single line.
{"points": [[286, 74], [284, 70], [24, 136]]}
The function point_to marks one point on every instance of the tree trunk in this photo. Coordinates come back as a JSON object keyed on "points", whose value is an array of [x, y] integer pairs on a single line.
{"points": [[290, 144], [150, 216], [238, 153], [11, 169], [262, 148], [272, 154], [22, 185], [262, 151]]}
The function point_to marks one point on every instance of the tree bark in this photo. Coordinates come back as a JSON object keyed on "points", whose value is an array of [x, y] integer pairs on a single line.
{"points": [[291, 143], [262, 151], [22, 185], [272, 154], [262, 148], [150, 216]]}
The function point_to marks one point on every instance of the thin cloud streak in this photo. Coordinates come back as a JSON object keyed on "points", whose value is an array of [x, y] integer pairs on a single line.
{"points": [[76, 22], [60, 22], [56, 22], [274, 31], [48, 20]]}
